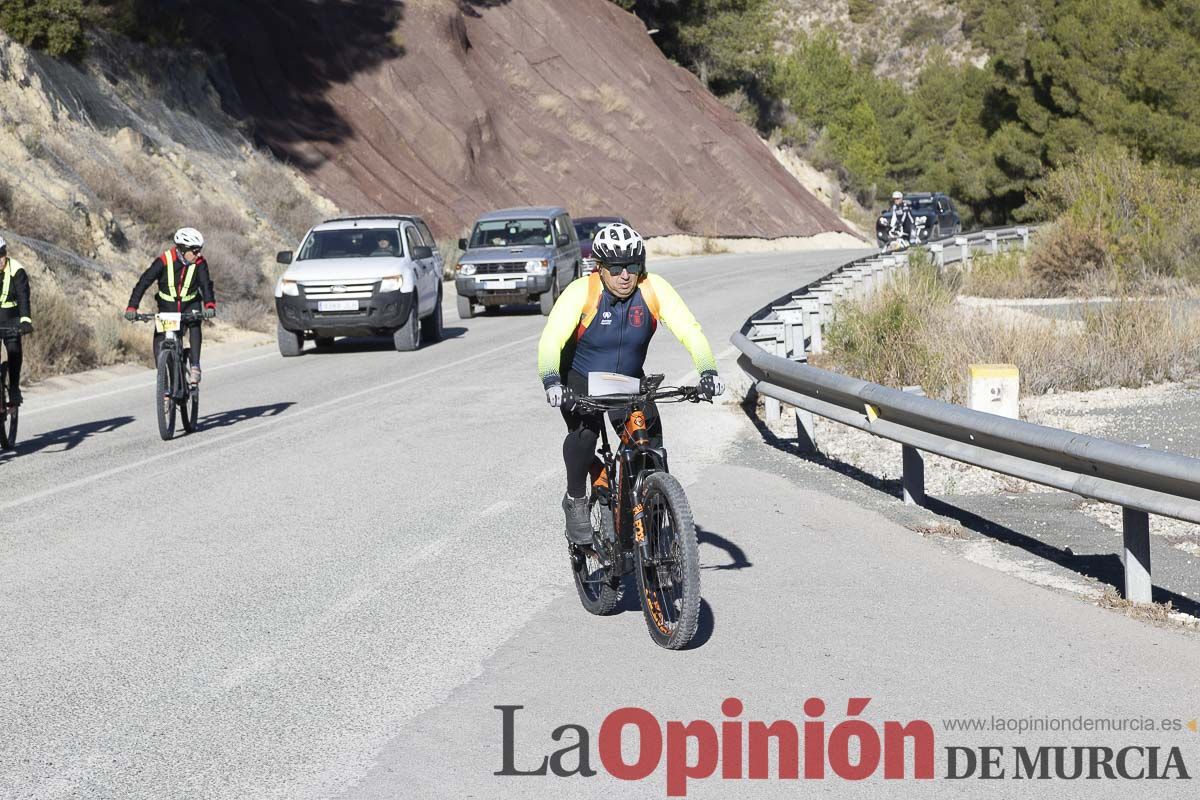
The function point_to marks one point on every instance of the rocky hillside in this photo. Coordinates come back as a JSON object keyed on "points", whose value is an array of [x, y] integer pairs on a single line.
{"points": [[98, 166], [457, 106]]}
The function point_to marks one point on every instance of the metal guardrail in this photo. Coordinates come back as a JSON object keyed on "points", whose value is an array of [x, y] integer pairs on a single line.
{"points": [[775, 343]]}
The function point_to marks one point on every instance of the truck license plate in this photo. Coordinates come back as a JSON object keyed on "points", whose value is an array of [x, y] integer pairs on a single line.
{"points": [[337, 305], [501, 285]]}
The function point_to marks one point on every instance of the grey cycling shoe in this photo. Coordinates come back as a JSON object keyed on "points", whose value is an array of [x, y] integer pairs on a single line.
{"points": [[579, 521]]}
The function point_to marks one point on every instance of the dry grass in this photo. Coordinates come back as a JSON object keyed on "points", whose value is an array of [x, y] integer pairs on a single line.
{"points": [[61, 342], [273, 193], [118, 342], [607, 97], [1150, 612], [250, 315], [912, 333], [684, 218], [552, 104], [1003, 275]]}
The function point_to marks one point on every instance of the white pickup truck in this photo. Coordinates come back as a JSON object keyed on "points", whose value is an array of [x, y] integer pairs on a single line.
{"points": [[361, 276]]}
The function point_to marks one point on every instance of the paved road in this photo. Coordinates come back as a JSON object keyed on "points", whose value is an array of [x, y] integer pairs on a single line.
{"points": [[256, 610], [326, 591]]}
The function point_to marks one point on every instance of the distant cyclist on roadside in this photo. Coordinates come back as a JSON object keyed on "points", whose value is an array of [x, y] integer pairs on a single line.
{"points": [[183, 285], [899, 215], [604, 323], [14, 307]]}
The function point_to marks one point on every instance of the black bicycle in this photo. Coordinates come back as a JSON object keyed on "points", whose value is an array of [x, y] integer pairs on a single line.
{"points": [[641, 520], [172, 390], [8, 415]]}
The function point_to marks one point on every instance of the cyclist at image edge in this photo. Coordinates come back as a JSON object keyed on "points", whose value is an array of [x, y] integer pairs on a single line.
{"points": [[604, 323], [183, 285], [14, 306], [900, 215]]}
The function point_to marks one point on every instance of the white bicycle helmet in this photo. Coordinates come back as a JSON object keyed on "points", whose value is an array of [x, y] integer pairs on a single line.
{"points": [[189, 238], [897, 195], [3, 247], [619, 244]]}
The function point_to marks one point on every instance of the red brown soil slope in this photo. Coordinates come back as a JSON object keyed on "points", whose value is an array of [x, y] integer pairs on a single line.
{"points": [[452, 107]]}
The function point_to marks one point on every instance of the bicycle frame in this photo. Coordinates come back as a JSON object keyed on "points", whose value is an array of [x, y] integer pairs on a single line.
{"points": [[633, 461]]}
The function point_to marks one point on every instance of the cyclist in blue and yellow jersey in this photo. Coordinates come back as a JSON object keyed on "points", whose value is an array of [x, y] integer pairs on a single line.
{"points": [[14, 307], [183, 285], [604, 323]]}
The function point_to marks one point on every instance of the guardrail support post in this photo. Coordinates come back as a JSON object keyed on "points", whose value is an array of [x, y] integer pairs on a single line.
{"points": [[993, 243], [939, 255], [770, 404], [1024, 234], [964, 248], [1135, 529], [806, 432], [816, 344], [913, 464]]}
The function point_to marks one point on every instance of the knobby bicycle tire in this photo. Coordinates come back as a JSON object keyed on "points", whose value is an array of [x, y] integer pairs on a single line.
{"points": [[598, 587], [164, 394], [189, 409], [8, 425], [670, 596]]}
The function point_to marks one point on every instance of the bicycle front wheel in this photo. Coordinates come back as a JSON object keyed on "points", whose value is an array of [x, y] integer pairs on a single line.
{"points": [[189, 407], [164, 394], [669, 573]]}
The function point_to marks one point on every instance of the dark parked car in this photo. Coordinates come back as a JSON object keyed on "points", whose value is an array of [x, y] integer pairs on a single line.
{"points": [[585, 229], [934, 215]]}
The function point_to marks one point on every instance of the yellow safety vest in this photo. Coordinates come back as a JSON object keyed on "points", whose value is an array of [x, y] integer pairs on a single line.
{"points": [[14, 267], [184, 295]]}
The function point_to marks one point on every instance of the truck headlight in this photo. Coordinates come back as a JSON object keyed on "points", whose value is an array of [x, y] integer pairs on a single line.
{"points": [[537, 267], [288, 287], [393, 283], [466, 270]]}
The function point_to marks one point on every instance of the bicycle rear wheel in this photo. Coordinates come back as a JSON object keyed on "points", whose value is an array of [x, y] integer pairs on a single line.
{"points": [[8, 424], [669, 576], [164, 394], [599, 586], [189, 407]]}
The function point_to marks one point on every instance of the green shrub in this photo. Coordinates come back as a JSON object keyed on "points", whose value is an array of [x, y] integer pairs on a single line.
{"points": [[1136, 219], [55, 26]]}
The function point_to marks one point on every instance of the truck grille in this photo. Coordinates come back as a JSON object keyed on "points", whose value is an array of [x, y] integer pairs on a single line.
{"points": [[498, 269], [339, 290]]}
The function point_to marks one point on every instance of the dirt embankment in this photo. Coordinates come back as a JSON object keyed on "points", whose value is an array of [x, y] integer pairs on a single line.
{"points": [[466, 105]]}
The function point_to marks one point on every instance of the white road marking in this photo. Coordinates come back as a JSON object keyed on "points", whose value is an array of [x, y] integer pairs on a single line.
{"points": [[176, 452], [496, 508]]}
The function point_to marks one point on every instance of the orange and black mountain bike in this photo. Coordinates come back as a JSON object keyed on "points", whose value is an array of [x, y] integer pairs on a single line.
{"points": [[641, 521]]}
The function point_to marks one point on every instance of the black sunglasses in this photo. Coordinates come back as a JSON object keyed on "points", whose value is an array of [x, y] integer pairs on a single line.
{"points": [[616, 269]]}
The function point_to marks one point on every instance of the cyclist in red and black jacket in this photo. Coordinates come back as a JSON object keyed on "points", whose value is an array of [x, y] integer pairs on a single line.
{"points": [[183, 285]]}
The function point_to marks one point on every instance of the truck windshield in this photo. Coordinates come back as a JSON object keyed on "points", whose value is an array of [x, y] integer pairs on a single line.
{"points": [[351, 243], [506, 233]]}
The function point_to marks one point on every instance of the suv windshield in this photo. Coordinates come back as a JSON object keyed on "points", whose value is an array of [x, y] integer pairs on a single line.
{"points": [[351, 243], [505, 233], [923, 207]]}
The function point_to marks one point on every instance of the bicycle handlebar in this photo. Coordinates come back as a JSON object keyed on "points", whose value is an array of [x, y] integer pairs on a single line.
{"points": [[187, 316], [609, 402]]}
